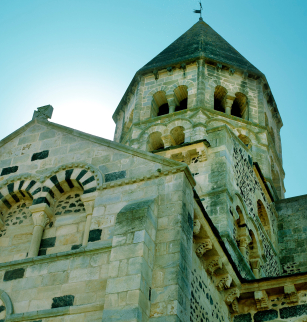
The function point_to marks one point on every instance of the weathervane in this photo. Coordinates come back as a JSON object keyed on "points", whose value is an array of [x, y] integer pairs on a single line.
{"points": [[199, 11]]}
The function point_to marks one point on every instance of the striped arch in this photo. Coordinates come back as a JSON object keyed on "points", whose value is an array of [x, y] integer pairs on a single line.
{"points": [[63, 181], [17, 191]]}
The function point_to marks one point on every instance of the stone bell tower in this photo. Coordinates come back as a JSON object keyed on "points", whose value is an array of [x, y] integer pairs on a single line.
{"points": [[201, 102]]}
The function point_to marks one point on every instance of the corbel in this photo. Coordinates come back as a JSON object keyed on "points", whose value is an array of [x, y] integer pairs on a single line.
{"points": [[219, 67], [231, 71], [214, 264], [224, 282], [156, 74], [202, 154], [203, 247], [169, 70], [196, 227], [187, 157], [183, 66], [290, 293], [231, 296], [262, 300], [245, 75]]}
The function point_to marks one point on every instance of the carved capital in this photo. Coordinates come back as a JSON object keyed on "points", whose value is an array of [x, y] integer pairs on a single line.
{"points": [[244, 241], [196, 227], [231, 295], [40, 219], [168, 140], [41, 215], [224, 282], [203, 247], [290, 294], [214, 264], [89, 201], [262, 300]]}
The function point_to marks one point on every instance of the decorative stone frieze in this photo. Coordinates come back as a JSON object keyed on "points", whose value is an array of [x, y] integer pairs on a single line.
{"points": [[203, 247], [196, 227], [224, 282], [231, 295], [290, 294], [262, 300], [214, 264]]}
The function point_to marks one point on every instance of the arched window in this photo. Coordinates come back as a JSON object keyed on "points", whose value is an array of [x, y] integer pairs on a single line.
{"points": [[264, 218], [239, 105], [160, 100], [181, 93], [178, 134], [155, 141], [16, 234], [219, 97], [67, 230]]}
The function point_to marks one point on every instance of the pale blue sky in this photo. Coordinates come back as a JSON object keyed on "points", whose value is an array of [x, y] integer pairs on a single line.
{"points": [[80, 56]]}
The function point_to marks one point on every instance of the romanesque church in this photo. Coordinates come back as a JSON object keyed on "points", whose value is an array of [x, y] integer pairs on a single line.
{"points": [[182, 218]]}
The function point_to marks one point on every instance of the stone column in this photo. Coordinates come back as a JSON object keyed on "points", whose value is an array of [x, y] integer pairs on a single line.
{"points": [[41, 215], [171, 103], [88, 200], [228, 104], [244, 241]]}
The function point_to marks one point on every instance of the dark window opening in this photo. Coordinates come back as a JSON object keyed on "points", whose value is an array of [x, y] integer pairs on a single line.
{"points": [[218, 106], [163, 109], [235, 109], [182, 106]]}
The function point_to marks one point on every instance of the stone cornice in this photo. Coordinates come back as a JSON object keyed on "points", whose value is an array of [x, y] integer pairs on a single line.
{"points": [[155, 175]]}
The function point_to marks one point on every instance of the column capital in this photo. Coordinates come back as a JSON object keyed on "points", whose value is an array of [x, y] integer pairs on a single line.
{"points": [[41, 214], [89, 201]]}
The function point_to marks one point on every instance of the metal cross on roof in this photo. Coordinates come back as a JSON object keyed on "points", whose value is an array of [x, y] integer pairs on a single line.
{"points": [[199, 11]]}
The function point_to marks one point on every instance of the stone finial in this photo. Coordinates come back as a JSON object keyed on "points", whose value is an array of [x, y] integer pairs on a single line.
{"points": [[290, 293], [214, 264], [262, 300], [196, 227], [203, 247], [43, 113], [224, 282]]}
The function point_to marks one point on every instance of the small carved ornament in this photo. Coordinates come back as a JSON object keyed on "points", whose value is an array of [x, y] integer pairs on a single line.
{"points": [[214, 264], [196, 227], [203, 247], [224, 282]]}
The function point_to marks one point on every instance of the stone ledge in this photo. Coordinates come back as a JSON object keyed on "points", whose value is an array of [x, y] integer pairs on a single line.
{"points": [[90, 248], [28, 316]]}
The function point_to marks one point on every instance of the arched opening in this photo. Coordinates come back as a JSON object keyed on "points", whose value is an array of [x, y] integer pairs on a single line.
{"points": [[181, 93], [160, 100], [239, 105], [219, 97], [155, 141], [16, 234], [66, 232], [178, 134], [264, 218]]}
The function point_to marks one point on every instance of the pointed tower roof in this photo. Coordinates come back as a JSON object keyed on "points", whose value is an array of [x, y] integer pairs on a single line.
{"points": [[200, 41]]}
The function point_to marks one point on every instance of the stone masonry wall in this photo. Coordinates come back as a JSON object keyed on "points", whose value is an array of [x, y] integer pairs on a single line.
{"points": [[292, 233]]}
